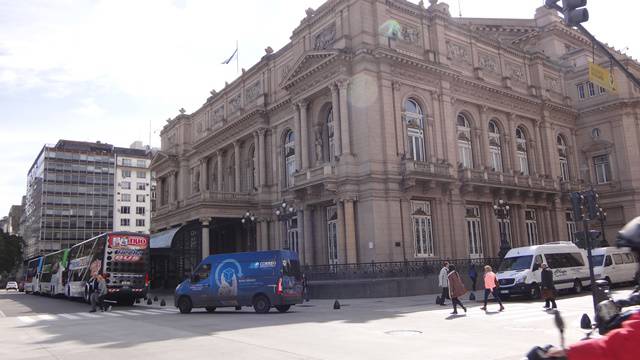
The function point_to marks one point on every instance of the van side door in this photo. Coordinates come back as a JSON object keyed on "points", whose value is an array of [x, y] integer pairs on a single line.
{"points": [[616, 268]]}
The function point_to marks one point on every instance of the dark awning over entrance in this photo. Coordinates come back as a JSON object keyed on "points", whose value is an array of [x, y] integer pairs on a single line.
{"points": [[163, 239]]}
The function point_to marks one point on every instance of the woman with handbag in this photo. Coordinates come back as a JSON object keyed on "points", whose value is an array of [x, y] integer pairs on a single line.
{"points": [[548, 290]]}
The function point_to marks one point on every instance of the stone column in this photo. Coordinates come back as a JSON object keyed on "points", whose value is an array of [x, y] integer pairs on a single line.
{"points": [[203, 175], [335, 108], [205, 237], [236, 165], [297, 135], [262, 166], [350, 231], [171, 182], [219, 171], [307, 239], [184, 184], [304, 139], [342, 244], [275, 156], [343, 85], [263, 240], [256, 162], [513, 149], [484, 137]]}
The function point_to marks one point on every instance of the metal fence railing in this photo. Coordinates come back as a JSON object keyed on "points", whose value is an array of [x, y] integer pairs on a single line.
{"points": [[392, 269]]}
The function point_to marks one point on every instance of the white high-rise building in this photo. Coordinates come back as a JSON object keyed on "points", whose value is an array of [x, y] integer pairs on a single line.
{"points": [[133, 189]]}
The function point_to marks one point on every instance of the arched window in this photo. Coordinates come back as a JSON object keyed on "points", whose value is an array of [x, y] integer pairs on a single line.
{"points": [[251, 169], [521, 151], [563, 156], [495, 146], [289, 157], [414, 118], [465, 152]]}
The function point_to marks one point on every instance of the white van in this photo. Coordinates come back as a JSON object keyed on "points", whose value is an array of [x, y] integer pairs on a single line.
{"points": [[615, 265], [519, 272]]}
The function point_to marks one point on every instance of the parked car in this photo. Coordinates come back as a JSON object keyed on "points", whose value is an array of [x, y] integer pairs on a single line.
{"points": [[12, 285], [520, 271], [615, 265], [262, 279]]}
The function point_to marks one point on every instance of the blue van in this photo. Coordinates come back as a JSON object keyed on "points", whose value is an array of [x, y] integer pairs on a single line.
{"points": [[260, 279]]}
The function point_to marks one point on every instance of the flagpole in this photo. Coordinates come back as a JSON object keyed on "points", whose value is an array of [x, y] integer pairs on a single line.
{"points": [[237, 59]]}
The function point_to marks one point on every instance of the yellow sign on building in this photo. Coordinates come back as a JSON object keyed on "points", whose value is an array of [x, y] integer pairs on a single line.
{"points": [[601, 76]]}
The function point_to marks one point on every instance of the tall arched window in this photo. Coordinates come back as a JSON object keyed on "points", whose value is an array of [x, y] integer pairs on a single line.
{"points": [[521, 151], [289, 157], [465, 152], [414, 118], [563, 156], [495, 146], [251, 168]]}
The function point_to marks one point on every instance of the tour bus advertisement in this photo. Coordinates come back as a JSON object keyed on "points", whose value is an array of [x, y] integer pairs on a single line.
{"points": [[128, 248]]}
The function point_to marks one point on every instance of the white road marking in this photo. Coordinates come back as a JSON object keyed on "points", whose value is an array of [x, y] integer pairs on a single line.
{"points": [[2, 314], [26, 319], [89, 315], [110, 313], [69, 316], [124, 312], [47, 317]]}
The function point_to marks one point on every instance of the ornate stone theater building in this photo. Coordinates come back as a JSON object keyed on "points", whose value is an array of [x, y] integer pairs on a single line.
{"points": [[390, 129]]}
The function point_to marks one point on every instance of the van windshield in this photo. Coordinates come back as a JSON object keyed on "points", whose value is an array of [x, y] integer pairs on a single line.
{"points": [[597, 260], [291, 268], [516, 263]]}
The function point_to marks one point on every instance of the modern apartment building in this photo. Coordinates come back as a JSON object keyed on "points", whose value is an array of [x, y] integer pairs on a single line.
{"points": [[133, 189], [70, 190], [72, 193], [390, 130]]}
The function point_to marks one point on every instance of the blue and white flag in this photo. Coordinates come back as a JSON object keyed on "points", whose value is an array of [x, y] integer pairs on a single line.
{"points": [[231, 57]]}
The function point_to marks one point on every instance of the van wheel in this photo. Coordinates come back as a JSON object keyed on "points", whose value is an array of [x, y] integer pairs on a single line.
{"points": [[577, 286], [210, 309], [283, 308], [534, 292], [185, 306], [261, 304]]}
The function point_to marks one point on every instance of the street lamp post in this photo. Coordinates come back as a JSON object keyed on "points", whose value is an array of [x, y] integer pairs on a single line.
{"points": [[284, 212], [501, 209], [602, 217], [249, 220]]}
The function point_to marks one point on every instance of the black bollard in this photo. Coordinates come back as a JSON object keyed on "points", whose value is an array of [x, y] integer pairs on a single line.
{"points": [[149, 302], [155, 298], [472, 297], [336, 305], [438, 300], [163, 303], [138, 301]]}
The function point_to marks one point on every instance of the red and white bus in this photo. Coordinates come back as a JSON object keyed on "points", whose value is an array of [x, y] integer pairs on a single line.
{"points": [[124, 256]]}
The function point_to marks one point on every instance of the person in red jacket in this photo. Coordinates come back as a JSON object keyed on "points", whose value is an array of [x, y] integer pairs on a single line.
{"points": [[618, 344]]}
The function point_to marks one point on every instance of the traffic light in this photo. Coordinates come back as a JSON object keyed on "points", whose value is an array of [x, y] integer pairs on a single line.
{"points": [[592, 204], [576, 204], [574, 11]]}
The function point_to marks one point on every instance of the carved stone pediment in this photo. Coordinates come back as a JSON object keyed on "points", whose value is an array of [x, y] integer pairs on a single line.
{"points": [[307, 64]]}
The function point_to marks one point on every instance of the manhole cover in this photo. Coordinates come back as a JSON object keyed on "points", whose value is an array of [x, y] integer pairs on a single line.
{"points": [[403, 332]]}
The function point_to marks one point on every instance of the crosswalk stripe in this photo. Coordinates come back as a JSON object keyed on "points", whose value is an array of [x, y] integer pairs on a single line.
{"points": [[145, 312], [155, 311], [89, 315], [69, 316], [125, 312], [26, 319], [110, 313], [47, 317]]}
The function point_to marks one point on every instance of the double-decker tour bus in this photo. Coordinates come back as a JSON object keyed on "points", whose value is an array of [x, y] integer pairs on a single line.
{"points": [[31, 277], [124, 256], [53, 275]]}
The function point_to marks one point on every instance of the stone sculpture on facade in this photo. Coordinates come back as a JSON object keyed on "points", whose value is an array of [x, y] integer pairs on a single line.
{"points": [[325, 37]]}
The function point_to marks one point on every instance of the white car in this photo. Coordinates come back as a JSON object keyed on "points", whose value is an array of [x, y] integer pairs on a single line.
{"points": [[12, 285]]}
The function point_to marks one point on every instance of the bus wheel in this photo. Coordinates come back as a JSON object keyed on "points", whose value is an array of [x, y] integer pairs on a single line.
{"points": [[577, 286], [210, 309], [283, 308], [184, 304], [261, 304]]}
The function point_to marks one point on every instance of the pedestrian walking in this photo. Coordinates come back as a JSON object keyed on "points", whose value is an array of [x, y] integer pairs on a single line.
{"points": [[456, 289], [490, 287], [473, 275], [548, 289], [443, 282]]}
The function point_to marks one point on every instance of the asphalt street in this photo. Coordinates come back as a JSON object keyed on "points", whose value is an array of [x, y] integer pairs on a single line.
{"points": [[35, 327]]}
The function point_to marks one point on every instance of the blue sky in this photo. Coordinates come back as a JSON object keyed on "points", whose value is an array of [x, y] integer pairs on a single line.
{"points": [[111, 70]]}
